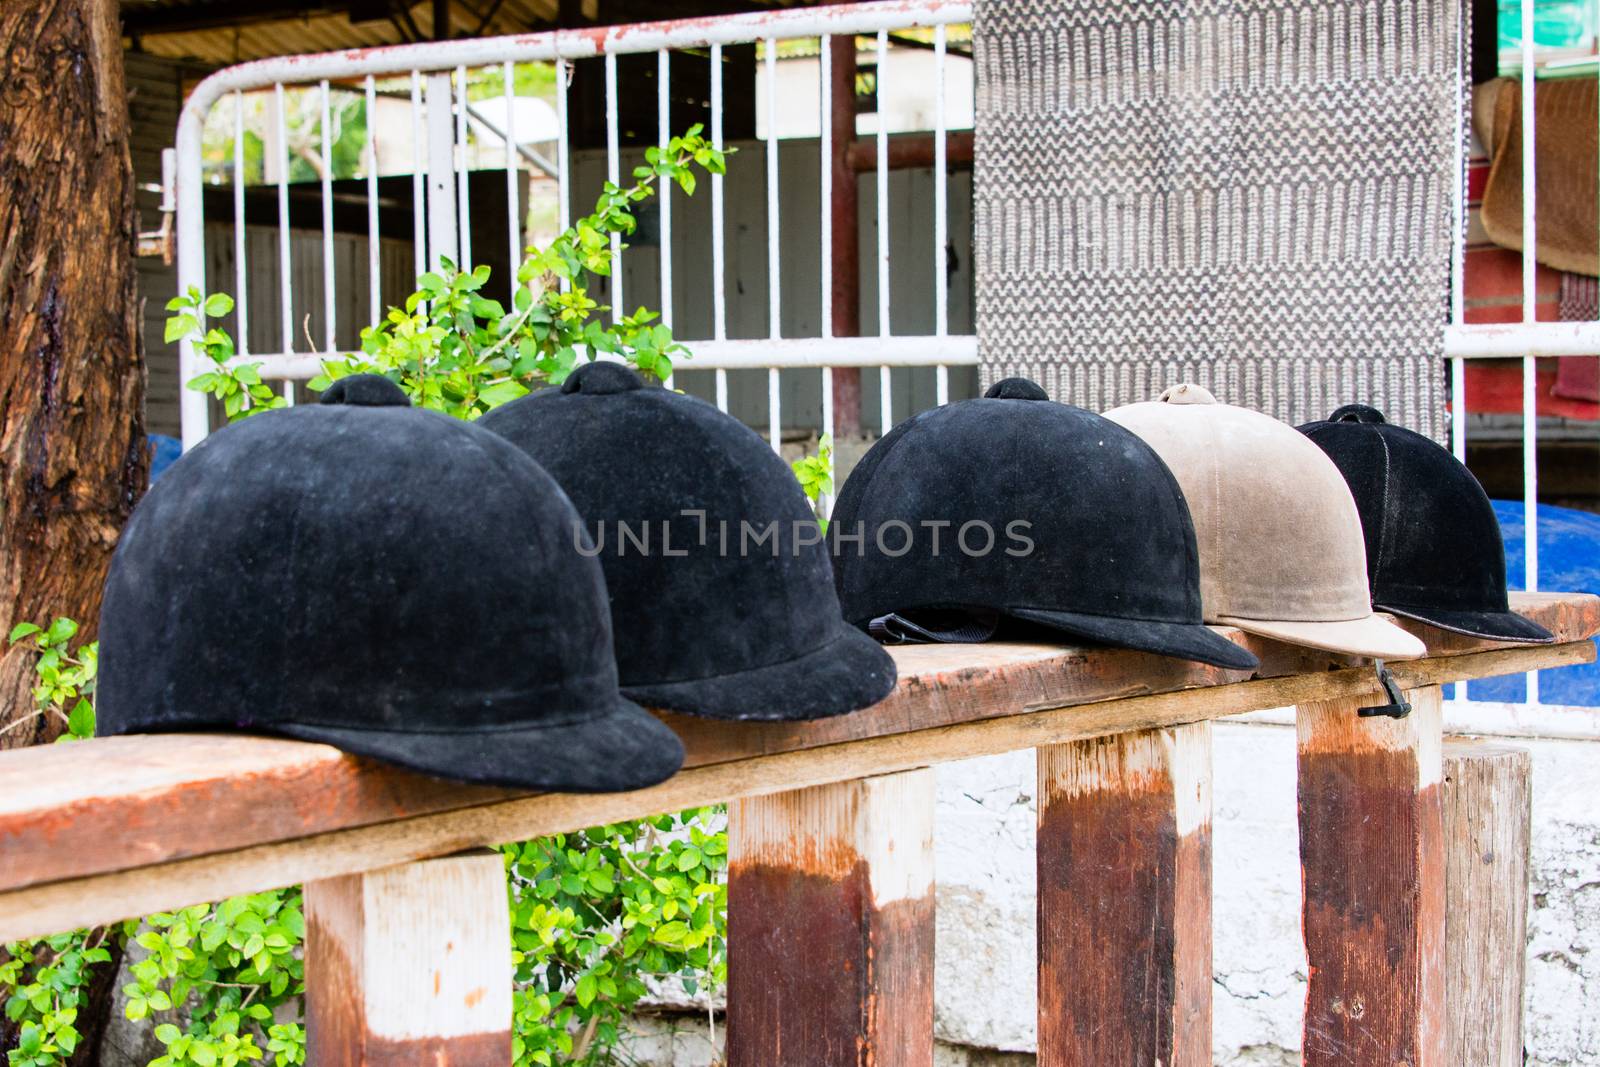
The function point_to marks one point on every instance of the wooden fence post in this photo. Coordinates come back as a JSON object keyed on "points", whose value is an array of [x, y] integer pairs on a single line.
{"points": [[830, 925], [410, 965], [1488, 804], [1125, 899], [1372, 856]]}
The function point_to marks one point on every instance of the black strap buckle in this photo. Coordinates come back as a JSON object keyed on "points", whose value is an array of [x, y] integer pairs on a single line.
{"points": [[1398, 707]]}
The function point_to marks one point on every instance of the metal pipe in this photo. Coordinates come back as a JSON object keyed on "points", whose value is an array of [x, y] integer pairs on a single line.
{"points": [[285, 252], [845, 283], [419, 168], [1502, 340], [374, 244], [619, 309], [881, 75], [241, 290], [1530, 296], [513, 210], [719, 302], [913, 151], [789, 353], [329, 276], [463, 200]]}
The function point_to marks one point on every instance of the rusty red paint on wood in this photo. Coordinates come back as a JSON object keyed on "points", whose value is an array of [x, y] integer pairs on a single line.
{"points": [[1124, 932], [1372, 854], [820, 975], [334, 1010], [463, 1050]]}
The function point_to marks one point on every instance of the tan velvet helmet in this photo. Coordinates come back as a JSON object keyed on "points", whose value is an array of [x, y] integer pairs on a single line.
{"points": [[1281, 548]]}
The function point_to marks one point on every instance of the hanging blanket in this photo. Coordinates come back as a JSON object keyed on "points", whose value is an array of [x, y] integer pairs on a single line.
{"points": [[1247, 194]]}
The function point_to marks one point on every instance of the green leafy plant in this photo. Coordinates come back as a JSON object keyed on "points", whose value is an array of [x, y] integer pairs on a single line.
{"points": [[227, 968], [815, 474], [66, 677], [455, 350], [45, 983], [596, 914], [237, 385]]}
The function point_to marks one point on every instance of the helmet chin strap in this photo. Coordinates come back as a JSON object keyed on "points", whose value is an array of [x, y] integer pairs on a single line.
{"points": [[1398, 707], [943, 626]]}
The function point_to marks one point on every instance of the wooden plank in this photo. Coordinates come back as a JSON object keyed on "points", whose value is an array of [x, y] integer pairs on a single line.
{"points": [[1125, 899], [57, 805], [830, 925], [68, 903], [1488, 804], [410, 965], [1372, 853]]}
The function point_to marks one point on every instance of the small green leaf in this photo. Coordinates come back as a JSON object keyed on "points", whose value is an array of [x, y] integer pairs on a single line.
{"points": [[218, 304], [81, 721], [180, 326], [23, 629]]}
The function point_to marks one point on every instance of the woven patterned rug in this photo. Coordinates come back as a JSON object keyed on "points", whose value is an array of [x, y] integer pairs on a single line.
{"points": [[1243, 193]]}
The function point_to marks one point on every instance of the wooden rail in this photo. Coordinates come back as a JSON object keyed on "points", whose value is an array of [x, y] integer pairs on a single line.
{"points": [[831, 881]]}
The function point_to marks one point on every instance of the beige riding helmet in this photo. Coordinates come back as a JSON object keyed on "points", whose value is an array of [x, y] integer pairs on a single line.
{"points": [[1281, 550]]}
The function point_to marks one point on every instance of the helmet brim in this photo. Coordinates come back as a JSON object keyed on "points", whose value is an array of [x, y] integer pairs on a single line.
{"points": [[1180, 640], [1492, 625], [1373, 637], [624, 748], [848, 672]]}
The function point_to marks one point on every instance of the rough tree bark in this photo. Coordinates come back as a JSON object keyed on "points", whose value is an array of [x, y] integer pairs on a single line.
{"points": [[73, 457]]}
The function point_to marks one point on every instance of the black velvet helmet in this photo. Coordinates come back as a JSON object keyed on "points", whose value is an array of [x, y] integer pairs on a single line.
{"points": [[1011, 507], [392, 581], [1434, 551], [719, 581]]}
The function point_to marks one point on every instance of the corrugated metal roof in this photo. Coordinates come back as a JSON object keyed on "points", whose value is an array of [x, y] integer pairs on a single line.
{"points": [[328, 30], [235, 33]]}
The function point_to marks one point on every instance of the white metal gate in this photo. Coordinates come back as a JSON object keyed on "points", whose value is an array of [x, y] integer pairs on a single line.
{"points": [[442, 209]]}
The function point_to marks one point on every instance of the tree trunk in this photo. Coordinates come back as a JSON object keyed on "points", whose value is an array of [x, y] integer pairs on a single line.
{"points": [[73, 457]]}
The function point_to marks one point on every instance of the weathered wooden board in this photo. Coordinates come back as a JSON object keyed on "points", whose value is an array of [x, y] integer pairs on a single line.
{"points": [[232, 864], [400, 974], [1372, 855], [1125, 899], [1488, 804], [59, 805], [830, 925]]}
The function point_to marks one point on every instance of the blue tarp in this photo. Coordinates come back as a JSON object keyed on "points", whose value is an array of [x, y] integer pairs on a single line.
{"points": [[163, 451], [1569, 561]]}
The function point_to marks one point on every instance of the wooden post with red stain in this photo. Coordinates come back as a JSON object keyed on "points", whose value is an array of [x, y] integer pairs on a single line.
{"points": [[830, 925], [410, 965], [1373, 857], [1125, 899]]}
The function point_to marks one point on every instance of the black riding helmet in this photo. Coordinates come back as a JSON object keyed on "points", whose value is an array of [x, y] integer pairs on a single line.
{"points": [[1434, 551], [1072, 524], [719, 581], [392, 581]]}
